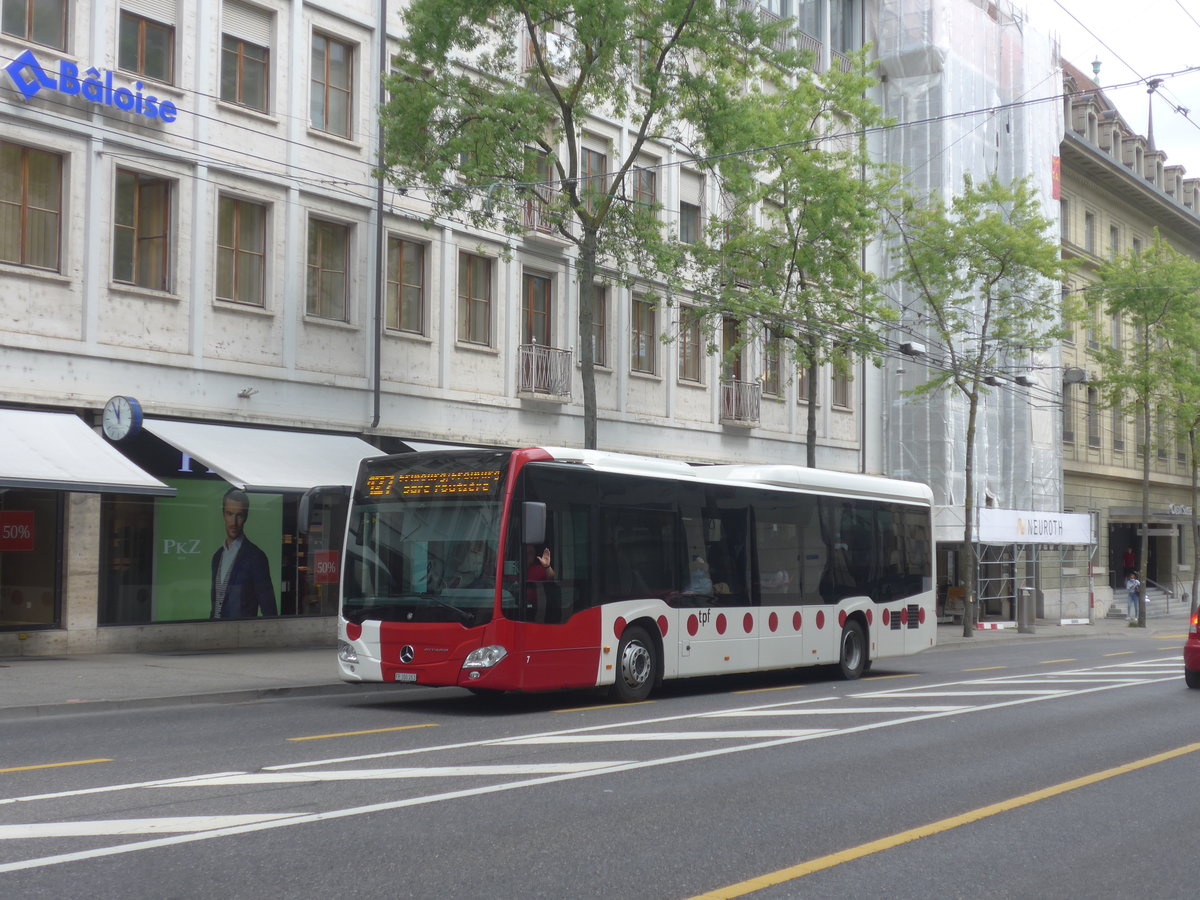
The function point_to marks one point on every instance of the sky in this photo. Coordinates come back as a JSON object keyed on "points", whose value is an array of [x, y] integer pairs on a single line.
{"points": [[1136, 42]]}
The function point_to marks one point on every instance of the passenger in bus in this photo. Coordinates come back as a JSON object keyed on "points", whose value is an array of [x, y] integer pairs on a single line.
{"points": [[699, 580], [468, 569], [539, 598]]}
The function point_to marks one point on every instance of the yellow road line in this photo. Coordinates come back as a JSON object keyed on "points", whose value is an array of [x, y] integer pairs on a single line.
{"points": [[321, 737], [1169, 637], [1051, 662], [985, 669], [781, 687], [1120, 653], [77, 762], [793, 873], [604, 706], [886, 677]]}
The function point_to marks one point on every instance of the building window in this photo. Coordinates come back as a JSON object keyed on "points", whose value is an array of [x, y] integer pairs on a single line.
{"points": [[31, 560], [690, 347], [1068, 414], [244, 73], [600, 325], [644, 337], [37, 21], [241, 250], [30, 207], [1064, 220], [328, 270], [332, 85], [1115, 340], [474, 298], [645, 186], [1093, 417], [595, 172], [1067, 324], [772, 363], [690, 226], [839, 388], [1089, 232], [803, 383], [146, 48], [1114, 241], [535, 310], [142, 231], [1118, 426], [406, 286]]}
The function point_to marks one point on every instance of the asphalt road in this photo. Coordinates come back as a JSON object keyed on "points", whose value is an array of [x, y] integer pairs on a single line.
{"points": [[1040, 769]]}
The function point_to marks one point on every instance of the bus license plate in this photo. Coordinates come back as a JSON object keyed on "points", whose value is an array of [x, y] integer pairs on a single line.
{"points": [[406, 676]]}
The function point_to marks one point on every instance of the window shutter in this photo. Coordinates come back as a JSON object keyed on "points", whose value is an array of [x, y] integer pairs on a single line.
{"points": [[251, 24], [165, 11]]}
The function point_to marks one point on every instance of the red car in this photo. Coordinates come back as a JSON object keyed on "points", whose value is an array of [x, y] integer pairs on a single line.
{"points": [[1191, 653]]}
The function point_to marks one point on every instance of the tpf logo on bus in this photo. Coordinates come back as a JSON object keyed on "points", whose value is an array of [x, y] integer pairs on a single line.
{"points": [[29, 77]]}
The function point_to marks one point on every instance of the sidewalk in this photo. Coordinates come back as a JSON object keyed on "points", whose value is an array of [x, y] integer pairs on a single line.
{"points": [[44, 686]]}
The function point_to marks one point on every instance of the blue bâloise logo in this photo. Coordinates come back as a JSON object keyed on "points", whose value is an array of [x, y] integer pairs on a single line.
{"points": [[95, 86]]}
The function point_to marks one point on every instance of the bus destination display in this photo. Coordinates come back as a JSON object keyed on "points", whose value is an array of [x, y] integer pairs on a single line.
{"points": [[434, 484]]}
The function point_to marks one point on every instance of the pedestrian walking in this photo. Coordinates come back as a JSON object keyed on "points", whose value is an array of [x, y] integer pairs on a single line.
{"points": [[1133, 587]]}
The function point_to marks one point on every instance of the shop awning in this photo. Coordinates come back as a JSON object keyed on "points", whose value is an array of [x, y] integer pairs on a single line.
{"points": [[59, 452], [258, 459]]}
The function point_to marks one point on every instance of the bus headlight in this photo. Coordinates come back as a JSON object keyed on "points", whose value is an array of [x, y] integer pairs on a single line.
{"points": [[485, 657], [346, 652]]}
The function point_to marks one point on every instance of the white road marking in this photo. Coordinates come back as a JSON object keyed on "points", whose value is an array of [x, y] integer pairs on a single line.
{"points": [[104, 827], [844, 711], [385, 774], [917, 693], [667, 736]]}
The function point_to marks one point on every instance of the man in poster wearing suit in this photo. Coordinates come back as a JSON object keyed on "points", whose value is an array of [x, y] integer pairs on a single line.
{"points": [[241, 575]]}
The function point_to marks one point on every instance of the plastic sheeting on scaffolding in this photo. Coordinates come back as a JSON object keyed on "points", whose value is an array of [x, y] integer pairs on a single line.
{"points": [[974, 91]]}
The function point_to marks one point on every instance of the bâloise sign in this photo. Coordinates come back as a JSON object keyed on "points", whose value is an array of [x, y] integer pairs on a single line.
{"points": [[95, 86]]}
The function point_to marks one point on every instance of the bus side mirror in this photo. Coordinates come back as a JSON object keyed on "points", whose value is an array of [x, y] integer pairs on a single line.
{"points": [[533, 522]]}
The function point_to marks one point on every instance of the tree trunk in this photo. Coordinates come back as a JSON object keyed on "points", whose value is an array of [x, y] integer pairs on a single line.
{"points": [[967, 560], [587, 356], [810, 434], [1144, 544], [1195, 520]]}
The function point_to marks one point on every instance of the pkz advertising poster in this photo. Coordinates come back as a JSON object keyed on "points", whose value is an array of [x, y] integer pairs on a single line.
{"points": [[190, 530]]}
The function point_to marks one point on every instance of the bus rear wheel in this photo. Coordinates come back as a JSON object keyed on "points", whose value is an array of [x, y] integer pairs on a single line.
{"points": [[637, 666], [852, 661]]}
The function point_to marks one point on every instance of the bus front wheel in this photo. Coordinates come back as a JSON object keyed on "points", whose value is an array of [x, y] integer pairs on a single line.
{"points": [[637, 665], [853, 657]]}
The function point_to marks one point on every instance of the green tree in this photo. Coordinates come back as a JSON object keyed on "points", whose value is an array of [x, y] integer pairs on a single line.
{"points": [[1157, 293], [804, 200], [489, 99], [986, 269]]}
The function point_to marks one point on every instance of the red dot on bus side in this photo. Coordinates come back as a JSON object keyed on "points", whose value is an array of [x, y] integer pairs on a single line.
{"points": [[904, 616], [721, 623], [773, 621], [820, 619], [841, 618], [353, 631], [887, 616], [693, 624], [662, 625], [921, 616], [748, 623], [797, 621], [619, 627], [869, 617]]}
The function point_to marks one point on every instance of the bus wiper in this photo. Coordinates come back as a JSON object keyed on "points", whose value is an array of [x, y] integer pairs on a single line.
{"points": [[466, 614]]}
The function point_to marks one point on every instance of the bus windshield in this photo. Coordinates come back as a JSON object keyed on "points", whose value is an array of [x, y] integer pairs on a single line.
{"points": [[421, 544]]}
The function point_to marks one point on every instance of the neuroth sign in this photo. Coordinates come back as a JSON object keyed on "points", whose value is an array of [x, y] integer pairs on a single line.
{"points": [[1021, 526], [95, 86]]}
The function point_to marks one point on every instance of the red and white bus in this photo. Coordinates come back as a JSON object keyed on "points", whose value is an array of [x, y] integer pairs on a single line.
{"points": [[658, 569]]}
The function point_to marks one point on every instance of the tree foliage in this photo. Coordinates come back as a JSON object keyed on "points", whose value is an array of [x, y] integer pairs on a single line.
{"points": [[986, 270], [1157, 293], [803, 199], [490, 100]]}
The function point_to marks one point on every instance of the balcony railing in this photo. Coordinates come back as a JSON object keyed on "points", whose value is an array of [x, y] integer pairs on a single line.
{"points": [[544, 372], [740, 402], [538, 201]]}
